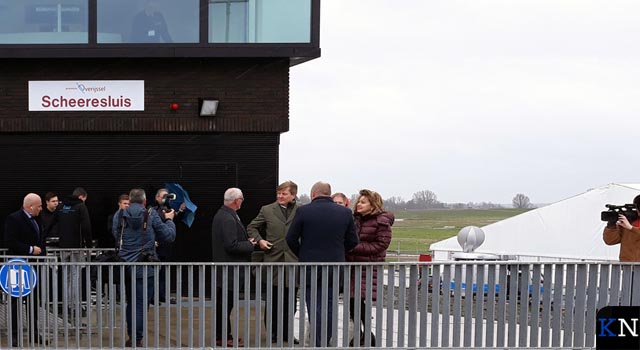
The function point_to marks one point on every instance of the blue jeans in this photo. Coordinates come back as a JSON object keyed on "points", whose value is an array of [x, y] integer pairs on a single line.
{"points": [[141, 308]]}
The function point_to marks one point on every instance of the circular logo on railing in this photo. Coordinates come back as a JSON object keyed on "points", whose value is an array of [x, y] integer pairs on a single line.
{"points": [[17, 278]]}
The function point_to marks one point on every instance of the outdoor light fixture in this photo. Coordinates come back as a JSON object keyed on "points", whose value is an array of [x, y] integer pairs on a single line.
{"points": [[208, 107]]}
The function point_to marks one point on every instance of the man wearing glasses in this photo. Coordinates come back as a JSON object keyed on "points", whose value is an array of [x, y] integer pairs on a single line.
{"points": [[230, 243]]}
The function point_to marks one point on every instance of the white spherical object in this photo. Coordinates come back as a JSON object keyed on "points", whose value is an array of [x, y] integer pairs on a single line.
{"points": [[470, 238]]}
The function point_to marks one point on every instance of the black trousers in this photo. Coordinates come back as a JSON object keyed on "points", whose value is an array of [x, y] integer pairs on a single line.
{"points": [[275, 302], [360, 324], [219, 305], [31, 306]]}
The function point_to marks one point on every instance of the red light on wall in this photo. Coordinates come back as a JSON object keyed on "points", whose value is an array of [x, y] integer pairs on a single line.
{"points": [[175, 106]]}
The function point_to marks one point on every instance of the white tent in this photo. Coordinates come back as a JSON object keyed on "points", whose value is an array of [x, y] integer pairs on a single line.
{"points": [[566, 230]]}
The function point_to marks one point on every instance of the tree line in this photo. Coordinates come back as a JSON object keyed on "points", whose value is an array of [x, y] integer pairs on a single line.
{"points": [[427, 199]]}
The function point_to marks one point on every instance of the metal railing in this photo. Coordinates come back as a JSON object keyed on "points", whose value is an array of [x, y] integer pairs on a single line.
{"points": [[419, 304]]}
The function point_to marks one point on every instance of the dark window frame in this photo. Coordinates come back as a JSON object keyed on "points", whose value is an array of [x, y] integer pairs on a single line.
{"points": [[297, 52]]}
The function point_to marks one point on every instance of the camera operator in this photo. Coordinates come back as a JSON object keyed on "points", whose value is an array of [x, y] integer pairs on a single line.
{"points": [[140, 228], [627, 234], [165, 250]]}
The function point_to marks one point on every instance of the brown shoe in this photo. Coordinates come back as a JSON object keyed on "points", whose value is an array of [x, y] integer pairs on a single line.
{"points": [[229, 342], [129, 343]]}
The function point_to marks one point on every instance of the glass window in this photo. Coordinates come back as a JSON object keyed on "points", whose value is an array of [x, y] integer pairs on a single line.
{"points": [[148, 21], [44, 22], [259, 21]]}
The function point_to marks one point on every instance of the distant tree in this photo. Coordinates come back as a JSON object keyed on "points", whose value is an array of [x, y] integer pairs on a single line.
{"points": [[353, 200], [304, 199], [395, 203], [425, 199], [520, 201], [458, 206]]}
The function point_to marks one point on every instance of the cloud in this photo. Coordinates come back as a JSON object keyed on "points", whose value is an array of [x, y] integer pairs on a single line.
{"points": [[475, 100]]}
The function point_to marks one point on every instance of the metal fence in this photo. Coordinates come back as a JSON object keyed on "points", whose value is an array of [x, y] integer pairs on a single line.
{"points": [[418, 304]]}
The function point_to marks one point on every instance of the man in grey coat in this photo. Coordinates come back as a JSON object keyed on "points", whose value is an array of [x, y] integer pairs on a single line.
{"points": [[230, 243], [270, 228]]}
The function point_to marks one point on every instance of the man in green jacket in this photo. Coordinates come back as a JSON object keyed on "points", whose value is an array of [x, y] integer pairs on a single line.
{"points": [[269, 229]]}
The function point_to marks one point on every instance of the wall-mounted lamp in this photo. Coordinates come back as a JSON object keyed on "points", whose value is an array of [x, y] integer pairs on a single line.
{"points": [[208, 107]]}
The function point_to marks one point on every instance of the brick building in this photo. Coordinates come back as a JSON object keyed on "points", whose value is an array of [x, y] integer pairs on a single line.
{"points": [[236, 52]]}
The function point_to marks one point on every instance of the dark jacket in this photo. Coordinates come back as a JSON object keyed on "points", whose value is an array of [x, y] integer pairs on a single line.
{"points": [[74, 223], [165, 249], [49, 222], [149, 29], [108, 240], [136, 238], [322, 231], [374, 232], [20, 234], [230, 243]]}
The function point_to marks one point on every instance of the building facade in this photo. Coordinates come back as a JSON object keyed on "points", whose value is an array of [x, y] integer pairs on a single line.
{"points": [[109, 95]]}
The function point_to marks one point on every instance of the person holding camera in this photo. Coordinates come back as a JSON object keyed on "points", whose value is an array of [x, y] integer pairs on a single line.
{"points": [[138, 229], [626, 233], [165, 250]]}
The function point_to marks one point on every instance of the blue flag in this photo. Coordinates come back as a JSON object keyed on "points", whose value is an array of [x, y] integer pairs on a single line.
{"points": [[182, 197]]}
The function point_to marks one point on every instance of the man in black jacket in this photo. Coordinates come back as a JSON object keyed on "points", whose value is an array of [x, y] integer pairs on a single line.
{"points": [[321, 231], [23, 236], [230, 243], [48, 216], [74, 226]]}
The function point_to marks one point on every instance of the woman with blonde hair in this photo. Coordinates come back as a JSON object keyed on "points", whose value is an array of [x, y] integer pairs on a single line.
{"points": [[373, 225]]}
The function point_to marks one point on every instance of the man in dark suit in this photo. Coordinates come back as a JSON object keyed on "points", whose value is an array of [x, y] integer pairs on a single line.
{"points": [[230, 243], [24, 236], [321, 231]]}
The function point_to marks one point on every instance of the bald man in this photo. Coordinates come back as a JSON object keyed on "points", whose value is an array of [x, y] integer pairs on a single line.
{"points": [[24, 236], [321, 231], [22, 229]]}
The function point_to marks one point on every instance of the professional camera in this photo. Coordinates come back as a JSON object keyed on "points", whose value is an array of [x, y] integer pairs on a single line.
{"points": [[611, 215], [148, 256], [168, 197]]}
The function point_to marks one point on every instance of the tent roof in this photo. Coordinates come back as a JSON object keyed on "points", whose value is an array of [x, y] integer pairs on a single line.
{"points": [[568, 229]]}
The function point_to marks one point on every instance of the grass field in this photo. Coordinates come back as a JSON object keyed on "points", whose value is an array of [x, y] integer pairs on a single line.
{"points": [[414, 231]]}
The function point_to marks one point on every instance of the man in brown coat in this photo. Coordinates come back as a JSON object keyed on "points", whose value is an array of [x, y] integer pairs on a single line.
{"points": [[627, 234], [270, 228]]}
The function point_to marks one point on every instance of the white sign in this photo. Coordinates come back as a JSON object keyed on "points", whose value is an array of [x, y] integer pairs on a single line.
{"points": [[86, 95]]}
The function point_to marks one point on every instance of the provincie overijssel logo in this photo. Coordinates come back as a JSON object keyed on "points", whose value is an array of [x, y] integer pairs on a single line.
{"points": [[617, 328], [88, 89]]}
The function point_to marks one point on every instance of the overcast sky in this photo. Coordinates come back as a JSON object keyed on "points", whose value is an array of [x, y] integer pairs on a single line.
{"points": [[474, 100]]}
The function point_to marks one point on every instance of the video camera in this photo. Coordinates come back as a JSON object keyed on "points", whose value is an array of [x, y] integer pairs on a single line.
{"points": [[630, 211], [168, 197]]}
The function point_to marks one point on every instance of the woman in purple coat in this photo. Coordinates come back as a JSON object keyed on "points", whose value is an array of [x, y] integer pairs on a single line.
{"points": [[373, 226]]}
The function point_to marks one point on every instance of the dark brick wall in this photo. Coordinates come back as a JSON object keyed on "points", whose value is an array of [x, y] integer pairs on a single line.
{"points": [[253, 95], [108, 165]]}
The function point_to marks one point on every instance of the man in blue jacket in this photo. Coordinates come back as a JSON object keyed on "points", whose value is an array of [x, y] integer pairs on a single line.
{"points": [[139, 229], [321, 231]]}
